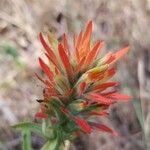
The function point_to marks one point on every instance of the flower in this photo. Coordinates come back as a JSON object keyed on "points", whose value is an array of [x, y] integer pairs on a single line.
{"points": [[77, 84]]}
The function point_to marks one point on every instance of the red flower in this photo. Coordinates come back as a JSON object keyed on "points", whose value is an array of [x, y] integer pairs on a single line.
{"points": [[76, 84]]}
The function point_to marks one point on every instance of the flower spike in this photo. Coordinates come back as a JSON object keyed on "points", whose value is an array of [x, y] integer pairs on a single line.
{"points": [[77, 85]]}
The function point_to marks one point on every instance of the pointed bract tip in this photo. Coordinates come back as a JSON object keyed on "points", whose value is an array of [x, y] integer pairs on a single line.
{"points": [[40, 35], [90, 23], [89, 26], [41, 115]]}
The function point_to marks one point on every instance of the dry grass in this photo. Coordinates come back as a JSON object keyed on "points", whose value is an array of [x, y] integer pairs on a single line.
{"points": [[119, 23]]}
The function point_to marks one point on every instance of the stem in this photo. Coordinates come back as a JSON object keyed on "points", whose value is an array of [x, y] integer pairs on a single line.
{"points": [[26, 137], [67, 145]]}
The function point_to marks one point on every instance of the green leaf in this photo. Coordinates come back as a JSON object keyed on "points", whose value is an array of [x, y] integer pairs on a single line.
{"points": [[139, 112], [71, 127], [29, 126], [140, 116]]}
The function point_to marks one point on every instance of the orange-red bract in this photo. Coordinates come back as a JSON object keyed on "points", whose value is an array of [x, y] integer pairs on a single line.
{"points": [[79, 77]]}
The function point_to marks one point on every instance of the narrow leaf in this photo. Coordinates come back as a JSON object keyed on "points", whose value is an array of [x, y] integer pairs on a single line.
{"points": [[28, 126]]}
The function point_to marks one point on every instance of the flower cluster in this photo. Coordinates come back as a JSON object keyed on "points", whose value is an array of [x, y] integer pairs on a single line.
{"points": [[77, 85]]}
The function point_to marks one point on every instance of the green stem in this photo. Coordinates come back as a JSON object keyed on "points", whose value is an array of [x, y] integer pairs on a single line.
{"points": [[26, 140]]}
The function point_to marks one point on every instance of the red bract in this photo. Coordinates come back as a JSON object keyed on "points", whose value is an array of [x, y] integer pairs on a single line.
{"points": [[76, 83], [83, 125]]}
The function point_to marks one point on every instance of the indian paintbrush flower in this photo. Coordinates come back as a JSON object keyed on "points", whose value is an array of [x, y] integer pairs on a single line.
{"points": [[77, 86]]}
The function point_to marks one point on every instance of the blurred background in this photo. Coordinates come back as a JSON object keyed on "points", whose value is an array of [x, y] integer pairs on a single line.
{"points": [[118, 23]]}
